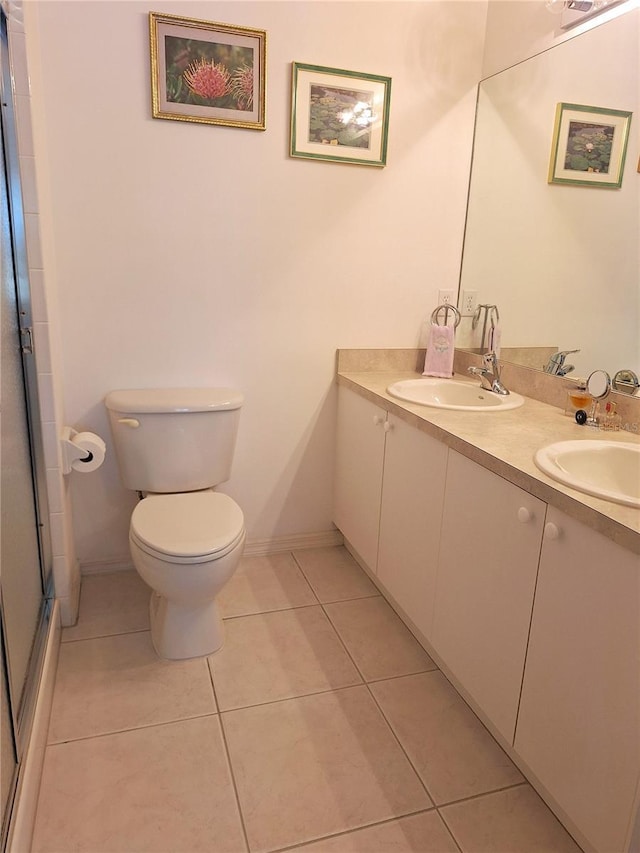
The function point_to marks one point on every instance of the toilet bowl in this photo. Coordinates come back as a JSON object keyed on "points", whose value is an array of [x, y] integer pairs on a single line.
{"points": [[186, 546]]}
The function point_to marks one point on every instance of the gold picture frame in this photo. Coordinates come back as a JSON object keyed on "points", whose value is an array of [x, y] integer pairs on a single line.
{"points": [[589, 146], [207, 72], [339, 115]]}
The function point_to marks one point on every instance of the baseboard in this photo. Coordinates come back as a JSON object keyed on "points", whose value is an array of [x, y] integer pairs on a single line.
{"points": [[253, 548], [262, 547], [26, 798]]}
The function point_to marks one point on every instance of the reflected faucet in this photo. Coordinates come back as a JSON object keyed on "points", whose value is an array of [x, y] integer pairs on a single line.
{"points": [[489, 374], [556, 364]]}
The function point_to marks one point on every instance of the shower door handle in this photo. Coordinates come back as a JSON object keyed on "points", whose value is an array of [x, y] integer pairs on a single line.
{"points": [[26, 337]]}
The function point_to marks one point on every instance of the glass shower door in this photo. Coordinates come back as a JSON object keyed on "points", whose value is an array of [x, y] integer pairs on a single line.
{"points": [[25, 551]]}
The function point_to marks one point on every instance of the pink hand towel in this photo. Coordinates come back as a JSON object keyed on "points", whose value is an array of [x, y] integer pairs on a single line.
{"points": [[440, 348]]}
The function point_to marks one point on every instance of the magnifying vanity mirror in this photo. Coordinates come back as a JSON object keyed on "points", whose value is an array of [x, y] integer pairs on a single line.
{"points": [[560, 261]]}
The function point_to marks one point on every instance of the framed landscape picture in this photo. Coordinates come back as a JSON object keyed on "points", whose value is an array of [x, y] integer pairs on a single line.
{"points": [[207, 72], [589, 146], [339, 115]]}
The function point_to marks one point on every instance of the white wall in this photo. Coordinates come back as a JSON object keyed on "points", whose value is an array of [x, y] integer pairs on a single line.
{"points": [[194, 254]]}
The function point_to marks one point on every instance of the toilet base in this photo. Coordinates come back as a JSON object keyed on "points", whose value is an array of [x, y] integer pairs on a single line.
{"points": [[180, 631]]}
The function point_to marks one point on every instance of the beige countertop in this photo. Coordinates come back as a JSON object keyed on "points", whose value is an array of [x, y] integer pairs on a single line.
{"points": [[505, 443]]}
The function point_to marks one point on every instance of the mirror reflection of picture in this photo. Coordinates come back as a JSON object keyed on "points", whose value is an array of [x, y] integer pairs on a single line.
{"points": [[560, 260], [589, 146]]}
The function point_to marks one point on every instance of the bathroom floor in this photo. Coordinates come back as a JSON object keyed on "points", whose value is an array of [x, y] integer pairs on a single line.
{"points": [[321, 725]]}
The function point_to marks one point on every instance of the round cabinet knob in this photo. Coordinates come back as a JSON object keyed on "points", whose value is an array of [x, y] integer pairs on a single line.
{"points": [[134, 423], [378, 419], [387, 426], [524, 514], [551, 531]]}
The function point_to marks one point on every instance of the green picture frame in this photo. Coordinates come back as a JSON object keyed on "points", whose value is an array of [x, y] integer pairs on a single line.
{"points": [[589, 146], [339, 116], [207, 72]]}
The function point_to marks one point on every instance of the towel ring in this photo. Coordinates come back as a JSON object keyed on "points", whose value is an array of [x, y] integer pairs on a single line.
{"points": [[446, 308]]}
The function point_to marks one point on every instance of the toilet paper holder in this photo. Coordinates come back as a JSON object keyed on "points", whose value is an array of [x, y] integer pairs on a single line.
{"points": [[74, 455]]}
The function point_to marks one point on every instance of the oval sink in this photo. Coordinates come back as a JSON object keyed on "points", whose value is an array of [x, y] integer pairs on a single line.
{"points": [[605, 469], [452, 394]]}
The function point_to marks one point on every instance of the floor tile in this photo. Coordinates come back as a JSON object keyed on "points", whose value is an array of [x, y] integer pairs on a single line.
{"points": [[260, 584], [114, 683], [162, 788], [516, 819], [450, 748], [279, 655], [318, 765], [421, 833], [112, 603], [377, 639], [334, 574]]}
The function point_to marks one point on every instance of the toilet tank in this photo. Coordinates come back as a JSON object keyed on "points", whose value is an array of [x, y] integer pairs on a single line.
{"points": [[176, 439]]}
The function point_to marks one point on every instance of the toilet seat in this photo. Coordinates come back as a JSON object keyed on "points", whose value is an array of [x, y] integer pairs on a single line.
{"points": [[189, 527]]}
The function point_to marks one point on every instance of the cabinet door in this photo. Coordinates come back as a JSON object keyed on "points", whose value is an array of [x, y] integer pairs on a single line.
{"points": [[491, 535], [412, 492], [358, 474], [579, 722]]}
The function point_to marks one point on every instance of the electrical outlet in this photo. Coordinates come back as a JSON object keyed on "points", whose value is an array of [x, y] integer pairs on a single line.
{"points": [[446, 297], [469, 302]]}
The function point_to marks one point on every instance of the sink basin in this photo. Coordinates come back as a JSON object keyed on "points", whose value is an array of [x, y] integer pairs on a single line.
{"points": [[606, 469], [452, 394]]}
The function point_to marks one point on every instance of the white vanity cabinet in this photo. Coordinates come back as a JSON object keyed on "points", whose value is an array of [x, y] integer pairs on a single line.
{"points": [[579, 722], [535, 615], [415, 467], [389, 487], [360, 438], [491, 535]]}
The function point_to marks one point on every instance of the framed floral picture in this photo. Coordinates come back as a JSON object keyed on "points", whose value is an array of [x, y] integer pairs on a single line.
{"points": [[589, 146], [339, 115], [207, 72]]}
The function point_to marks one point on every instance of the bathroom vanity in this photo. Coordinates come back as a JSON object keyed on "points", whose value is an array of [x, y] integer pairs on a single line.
{"points": [[526, 593]]}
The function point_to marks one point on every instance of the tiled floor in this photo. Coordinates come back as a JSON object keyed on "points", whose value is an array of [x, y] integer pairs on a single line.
{"points": [[321, 725]]}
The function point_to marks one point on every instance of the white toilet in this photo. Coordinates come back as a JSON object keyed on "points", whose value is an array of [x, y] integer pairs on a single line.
{"points": [[174, 446]]}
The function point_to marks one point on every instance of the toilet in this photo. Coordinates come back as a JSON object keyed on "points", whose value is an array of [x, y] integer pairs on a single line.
{"points": [[173, 447]]}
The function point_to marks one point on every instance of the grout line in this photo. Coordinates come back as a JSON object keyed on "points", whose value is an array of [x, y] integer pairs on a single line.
{"points": [[229, 762], [443, 817], [316, 603], [384, 717], [132, 729], [401, 745], [302, 572], [481, 794], [293, 698], [266, 612], [104, 636], [351, 831]]}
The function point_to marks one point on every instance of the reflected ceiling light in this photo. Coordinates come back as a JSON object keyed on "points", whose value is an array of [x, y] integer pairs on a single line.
{"points": [[560, 6]]}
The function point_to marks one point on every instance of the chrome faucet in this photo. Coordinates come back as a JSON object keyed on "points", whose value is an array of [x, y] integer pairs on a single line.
{"points": [[489, 374], [556, 364]]}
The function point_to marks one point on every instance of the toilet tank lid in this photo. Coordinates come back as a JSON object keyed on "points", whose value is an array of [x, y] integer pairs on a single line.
{"points": [[156, 400]]}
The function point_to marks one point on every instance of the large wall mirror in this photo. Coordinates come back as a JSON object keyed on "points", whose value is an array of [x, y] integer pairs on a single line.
{"points": [[562, 263]]}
